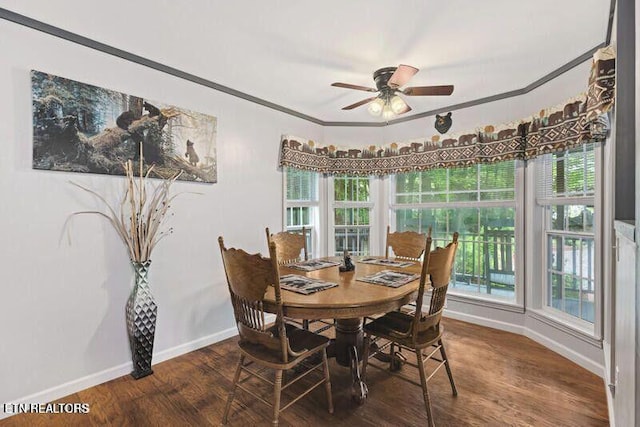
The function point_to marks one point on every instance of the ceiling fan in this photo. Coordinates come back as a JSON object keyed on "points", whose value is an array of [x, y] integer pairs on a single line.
{"points": [[388, 81]]}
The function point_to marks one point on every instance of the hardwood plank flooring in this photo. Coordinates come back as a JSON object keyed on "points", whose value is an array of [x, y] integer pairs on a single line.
{"points": [[502, 379]]}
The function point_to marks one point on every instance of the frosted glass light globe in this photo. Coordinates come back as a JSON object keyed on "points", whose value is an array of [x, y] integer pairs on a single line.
{"points": [[398, 105], [387, 112], [375, 107]]}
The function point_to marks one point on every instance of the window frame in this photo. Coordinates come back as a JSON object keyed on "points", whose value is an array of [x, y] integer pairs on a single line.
{"points": [[530, 282], [517, 203], [591, 332], [332, 204], [315, 227]]}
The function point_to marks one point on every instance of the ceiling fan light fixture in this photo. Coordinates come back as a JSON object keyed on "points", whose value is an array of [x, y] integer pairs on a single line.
{"points": [[375, 108], [389, 81], [398, 105], [387, 112]]}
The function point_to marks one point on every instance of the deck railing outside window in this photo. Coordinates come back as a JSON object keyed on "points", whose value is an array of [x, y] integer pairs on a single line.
{"points": [[566, 185], [479, 203]]}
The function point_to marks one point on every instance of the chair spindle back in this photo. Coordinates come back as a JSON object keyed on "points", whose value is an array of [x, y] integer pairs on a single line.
{"points": [[438, 264], [289, 245], [407, 245], [248, 278]]}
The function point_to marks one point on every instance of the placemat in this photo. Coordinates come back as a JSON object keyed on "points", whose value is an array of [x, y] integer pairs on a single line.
{"points": [[390, 278], [386, 262], [312, 264], [304, 285]]}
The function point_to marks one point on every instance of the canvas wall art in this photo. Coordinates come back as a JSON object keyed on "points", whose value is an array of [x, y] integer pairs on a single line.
{"points": [[79, 127]]}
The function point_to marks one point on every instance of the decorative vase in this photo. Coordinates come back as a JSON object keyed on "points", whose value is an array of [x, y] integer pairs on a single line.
{"points": [[141, 321]]}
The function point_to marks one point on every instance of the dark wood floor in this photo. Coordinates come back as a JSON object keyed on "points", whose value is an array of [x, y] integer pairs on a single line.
{"points": [[502, 379]]}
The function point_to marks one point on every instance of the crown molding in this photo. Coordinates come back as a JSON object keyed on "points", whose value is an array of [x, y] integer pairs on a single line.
{"points": [[128, 56]]}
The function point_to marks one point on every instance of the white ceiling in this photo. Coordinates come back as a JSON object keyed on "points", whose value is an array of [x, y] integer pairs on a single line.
{"points": [[288, 52]]}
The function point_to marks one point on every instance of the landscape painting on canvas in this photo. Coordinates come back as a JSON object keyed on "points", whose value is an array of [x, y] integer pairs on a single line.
{"points": [[83, 128]]}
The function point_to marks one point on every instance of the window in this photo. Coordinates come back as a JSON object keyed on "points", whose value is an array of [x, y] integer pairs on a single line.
{"points": [[566, 188], [479, 202], [352, 215], [302, 205]]}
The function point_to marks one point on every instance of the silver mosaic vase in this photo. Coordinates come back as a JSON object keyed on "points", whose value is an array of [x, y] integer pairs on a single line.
{"points": [[141, 321]]}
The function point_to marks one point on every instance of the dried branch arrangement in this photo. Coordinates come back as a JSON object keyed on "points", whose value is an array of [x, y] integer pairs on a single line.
{"points": [[139, 217]]}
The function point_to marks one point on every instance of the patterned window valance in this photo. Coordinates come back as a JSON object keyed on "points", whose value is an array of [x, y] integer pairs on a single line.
{"points": [[579, 120]]}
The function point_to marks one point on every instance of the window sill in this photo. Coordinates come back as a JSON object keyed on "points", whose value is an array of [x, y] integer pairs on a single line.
{"points": [[485, 302], [577, 331]]}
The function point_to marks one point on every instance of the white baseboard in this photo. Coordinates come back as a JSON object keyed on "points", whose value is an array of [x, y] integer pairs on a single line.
{"points": [[62, 390], [561, 349], [483, 321], [606, 348], [565, 351], [74, 386], [610, 407], [181, 349]]}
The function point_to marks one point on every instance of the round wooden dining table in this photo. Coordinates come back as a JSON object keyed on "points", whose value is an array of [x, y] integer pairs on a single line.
{"points": [[348, 303]]}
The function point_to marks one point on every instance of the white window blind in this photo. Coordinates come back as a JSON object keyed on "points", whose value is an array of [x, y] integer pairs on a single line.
{"points": [[302, 205], [566, 187], [301, 185], [568, 175], [494, 181]]}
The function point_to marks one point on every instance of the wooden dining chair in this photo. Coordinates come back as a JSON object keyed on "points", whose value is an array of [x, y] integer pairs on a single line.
{"points": [[291, 248], [419, 332], [498, 259], [407, 245], [279, 347]]}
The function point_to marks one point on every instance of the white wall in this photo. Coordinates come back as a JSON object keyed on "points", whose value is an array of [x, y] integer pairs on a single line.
{"points": [[62, 306], [353, 136]]}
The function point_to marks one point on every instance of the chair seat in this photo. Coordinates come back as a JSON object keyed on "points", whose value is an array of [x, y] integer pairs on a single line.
{"points": [[419, 332], [299, 340], [393, 325], [248, 277]]}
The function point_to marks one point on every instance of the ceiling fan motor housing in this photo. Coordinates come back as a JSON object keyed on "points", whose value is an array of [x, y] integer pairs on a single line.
{"points": [[382, 76]]}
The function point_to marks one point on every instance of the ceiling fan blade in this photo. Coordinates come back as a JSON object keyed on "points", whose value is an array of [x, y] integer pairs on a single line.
{"points": [[406, 110], [356, 87], [402, 75], [359, 103], [428, 90]]}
